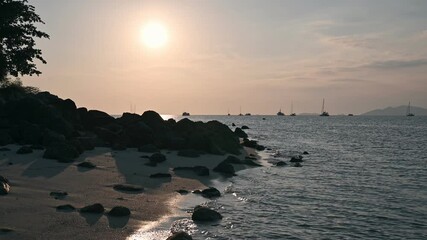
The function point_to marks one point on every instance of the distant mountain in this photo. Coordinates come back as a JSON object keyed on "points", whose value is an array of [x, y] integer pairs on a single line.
{"points": [[397, 111]]}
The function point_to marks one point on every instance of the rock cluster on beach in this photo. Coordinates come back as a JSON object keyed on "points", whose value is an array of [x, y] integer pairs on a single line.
{"points": [[45, 120]]}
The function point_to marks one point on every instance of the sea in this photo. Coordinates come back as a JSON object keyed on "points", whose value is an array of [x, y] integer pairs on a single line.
{"points": [[364, 178]]}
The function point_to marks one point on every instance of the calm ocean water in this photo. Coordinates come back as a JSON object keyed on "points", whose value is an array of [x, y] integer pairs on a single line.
{"points": [[365, 178]]}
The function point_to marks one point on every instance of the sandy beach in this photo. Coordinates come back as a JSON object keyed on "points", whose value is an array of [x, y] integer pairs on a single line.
{"points": [[30, 212]]}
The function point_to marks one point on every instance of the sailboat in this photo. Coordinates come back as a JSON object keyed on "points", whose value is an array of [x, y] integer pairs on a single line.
{"points": [[240, 114], [324, 113], [292, 110], [280, 113], [408, 111]]}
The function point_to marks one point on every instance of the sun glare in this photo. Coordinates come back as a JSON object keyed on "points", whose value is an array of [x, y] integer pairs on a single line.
{"points": [[154, 35]]}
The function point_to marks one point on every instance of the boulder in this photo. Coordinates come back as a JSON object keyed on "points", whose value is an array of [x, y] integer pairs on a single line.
{"points": [[182, 191], [211, 193], [3, 179], [305, 153], [61, 151], [95, 118], [160, 175], [66, 208], [240, 133], [128, 118], [94, 208], [58, 195], [245, 127], [205, 214], [225, 168], [189, 153], [296, 159], [152, 119], [233, 160], [148, 148], [157, 158], [50, 137], [201, 170], [119, 211], [233, 124], [297, 164], [128, 188], [4, 188], [180, 236], [87, 165], [24, 150], [280, 163]]}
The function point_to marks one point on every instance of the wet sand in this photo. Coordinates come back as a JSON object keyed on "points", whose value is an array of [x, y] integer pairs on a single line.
{"points": [[30, 212]]}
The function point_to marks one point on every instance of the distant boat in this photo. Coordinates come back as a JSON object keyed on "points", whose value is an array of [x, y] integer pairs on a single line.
{"points": [[324, 113], [185, 114], [280, 113], [247, 114], [292, 110], [350, 115], [408, 111], [240, 113]]}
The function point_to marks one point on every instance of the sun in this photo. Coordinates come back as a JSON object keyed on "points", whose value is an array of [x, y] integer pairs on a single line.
{"points": [[154, 35]]}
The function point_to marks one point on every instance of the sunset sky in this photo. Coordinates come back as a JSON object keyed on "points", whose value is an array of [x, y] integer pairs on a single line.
{"points": [[219, 55]]}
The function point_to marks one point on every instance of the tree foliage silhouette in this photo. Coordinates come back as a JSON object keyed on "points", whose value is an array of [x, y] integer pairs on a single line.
{"points": [[17, 34]]}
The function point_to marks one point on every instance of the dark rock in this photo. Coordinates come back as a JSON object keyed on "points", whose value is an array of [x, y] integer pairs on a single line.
{"points": [[240, 133], [182, 191], [189, 153], [201, 170], [95, 118], [24, 150], [225, 168], [157, 158], [87, 142], [211, 193], [160, 175], [66, 208], [37, 147], [5, 149], [269, 149], [205, 214], [281, 163], [88, 165], [5, 138], [128, 188], [180, 236], [5, 230], [296, 159], [305, 153], [245, 127], [148, 148], [3, 179], [297, 164], [233, 160], [233, 125], [252, 144], [128, 119], [58, 195], [152, 119], [118, 146], [119, 211], [4, 188], [94, 208], [51, 137], [62, 151]]}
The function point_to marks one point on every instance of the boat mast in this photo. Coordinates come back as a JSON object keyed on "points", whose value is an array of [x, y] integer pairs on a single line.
{"points": [[408, 111], [292, 107], [323, 106]]}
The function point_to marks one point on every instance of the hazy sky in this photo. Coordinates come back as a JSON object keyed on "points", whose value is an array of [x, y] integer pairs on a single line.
{"points": [[259, 55]]}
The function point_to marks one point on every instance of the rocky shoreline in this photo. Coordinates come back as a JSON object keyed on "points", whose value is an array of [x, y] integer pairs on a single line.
{"points": [[41, 127]]}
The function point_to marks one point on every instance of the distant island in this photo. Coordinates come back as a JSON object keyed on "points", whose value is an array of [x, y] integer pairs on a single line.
{"points": [[397, 111]]}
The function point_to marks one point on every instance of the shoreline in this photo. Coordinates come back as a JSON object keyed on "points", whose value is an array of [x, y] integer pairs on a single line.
{"points": [[32, 213]]}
